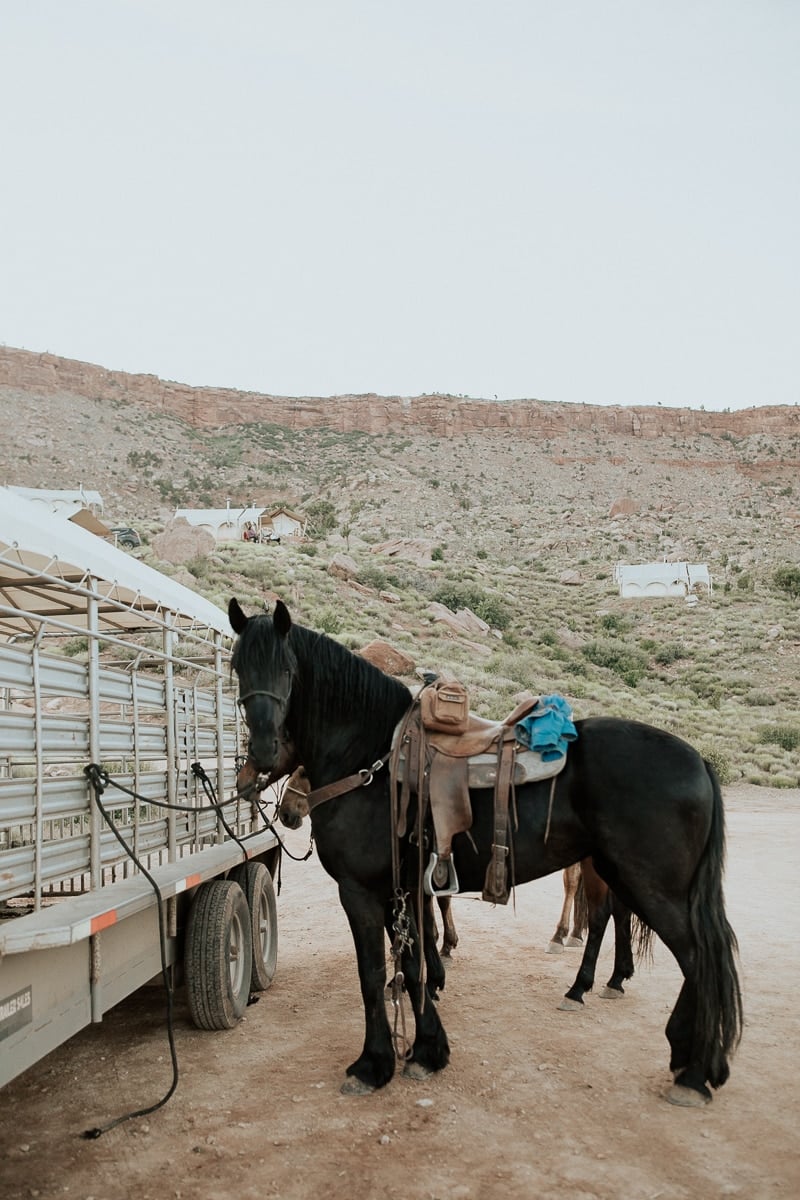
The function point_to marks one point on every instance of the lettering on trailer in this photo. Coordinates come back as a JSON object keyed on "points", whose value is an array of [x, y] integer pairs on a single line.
{"points": [[15, 1011]]}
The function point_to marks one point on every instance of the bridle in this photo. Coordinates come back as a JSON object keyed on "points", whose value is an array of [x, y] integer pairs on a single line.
{"points": [[241, 700]]}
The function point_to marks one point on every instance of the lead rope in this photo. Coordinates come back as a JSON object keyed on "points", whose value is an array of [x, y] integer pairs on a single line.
{"points": [[401, 924]]}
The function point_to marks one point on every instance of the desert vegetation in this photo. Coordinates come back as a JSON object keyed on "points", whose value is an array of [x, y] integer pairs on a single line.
{"points": [[522, 533]]}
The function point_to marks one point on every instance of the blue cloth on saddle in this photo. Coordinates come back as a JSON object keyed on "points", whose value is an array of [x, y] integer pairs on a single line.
{"points": [[547, 728]]}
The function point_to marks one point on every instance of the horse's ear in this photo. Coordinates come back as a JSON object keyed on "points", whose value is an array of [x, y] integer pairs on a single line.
{"points": [[281, 619], [236, 617]]}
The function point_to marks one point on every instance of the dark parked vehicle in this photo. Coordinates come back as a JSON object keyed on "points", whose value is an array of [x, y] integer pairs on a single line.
{"points": [[126, 537]]}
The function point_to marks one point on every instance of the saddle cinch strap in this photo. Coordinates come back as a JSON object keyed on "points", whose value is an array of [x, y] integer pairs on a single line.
{"points": [[441, 768]]}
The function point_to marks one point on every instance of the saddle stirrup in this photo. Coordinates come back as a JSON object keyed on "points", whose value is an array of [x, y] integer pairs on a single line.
{"points": [[440, 877]]}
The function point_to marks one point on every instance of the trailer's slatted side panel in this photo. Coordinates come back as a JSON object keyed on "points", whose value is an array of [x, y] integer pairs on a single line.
{"points": [[47, 736]]}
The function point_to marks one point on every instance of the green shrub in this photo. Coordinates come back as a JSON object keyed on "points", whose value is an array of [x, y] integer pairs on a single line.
{"points": [[199, 566], [670, 653], [721, 764], [328, 621], [76, 646], [321, 516], [630, 665], [788, 580], [614, 623], [488, 608], [785, 736], [372, 577]]}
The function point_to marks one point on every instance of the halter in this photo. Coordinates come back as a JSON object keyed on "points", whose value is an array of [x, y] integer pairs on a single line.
{"points": [[282, 700]]}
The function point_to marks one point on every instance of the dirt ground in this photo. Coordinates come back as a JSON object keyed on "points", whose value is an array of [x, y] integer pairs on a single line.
{"points": [[536, 1103]]}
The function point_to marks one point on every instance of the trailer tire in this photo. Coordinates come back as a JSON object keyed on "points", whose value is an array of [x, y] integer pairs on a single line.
{"points": [[256, 882], [218, 956]]}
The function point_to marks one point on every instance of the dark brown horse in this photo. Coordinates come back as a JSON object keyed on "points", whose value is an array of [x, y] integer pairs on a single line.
{"points": [[640, 802], [592, 904]]}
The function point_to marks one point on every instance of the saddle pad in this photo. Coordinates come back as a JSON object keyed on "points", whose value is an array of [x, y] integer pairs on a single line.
{"points": [[529, 767]]}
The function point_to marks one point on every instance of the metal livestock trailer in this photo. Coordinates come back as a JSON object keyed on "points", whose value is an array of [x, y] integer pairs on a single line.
{"points": [[124, 847]]}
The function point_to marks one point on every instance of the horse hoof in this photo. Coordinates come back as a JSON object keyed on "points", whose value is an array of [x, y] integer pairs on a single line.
{"points": [[555, 948], [356, 1087], [687, 1097], [415, 1070], [574, 941], [609, 993], [568, 1005]]}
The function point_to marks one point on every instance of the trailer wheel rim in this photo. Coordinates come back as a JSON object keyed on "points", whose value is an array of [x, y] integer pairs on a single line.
{"points": [[238, 950], [255, 881]]}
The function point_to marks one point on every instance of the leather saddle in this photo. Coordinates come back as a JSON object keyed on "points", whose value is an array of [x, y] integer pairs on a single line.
{"points": [[440, 768]]}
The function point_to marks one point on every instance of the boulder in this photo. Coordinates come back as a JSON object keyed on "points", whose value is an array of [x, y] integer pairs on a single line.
{"points": [[464, 622], [387, 658], [342, 566], [181, 542], [471, 622]]}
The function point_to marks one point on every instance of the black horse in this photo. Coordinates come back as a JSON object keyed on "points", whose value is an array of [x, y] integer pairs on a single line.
{"points": [[640, 802]]}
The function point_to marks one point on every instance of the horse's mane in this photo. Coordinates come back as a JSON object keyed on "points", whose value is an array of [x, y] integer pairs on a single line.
{"points": [[352, 681]]}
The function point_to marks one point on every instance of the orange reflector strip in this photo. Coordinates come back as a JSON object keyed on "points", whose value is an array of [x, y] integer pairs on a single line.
{"points": [[104, 920]]}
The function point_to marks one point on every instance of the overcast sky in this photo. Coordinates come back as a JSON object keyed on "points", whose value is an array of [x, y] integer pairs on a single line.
{"points": [[569, 200]]}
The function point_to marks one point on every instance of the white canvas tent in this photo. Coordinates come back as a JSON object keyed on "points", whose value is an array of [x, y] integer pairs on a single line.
{"points": [[286, 523], [58, 499], [642, 580], [224, 524], [42, 554]]}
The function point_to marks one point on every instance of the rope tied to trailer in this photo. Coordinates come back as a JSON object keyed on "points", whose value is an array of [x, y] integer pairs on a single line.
{"points": [[99, 780]]}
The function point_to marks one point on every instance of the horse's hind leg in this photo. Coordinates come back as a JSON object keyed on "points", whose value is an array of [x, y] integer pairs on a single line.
{"points": [[449, 935], [623, 950], [433, 960], [704, 1025], [584, 980], [571, 877]]}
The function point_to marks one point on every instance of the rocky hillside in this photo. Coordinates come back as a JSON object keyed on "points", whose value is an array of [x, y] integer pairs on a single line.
{"points": [[526, 508], [533, 473]]}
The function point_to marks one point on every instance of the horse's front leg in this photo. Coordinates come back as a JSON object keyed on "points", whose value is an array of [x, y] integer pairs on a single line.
{"points": [[365, 912], [431, 1050]]}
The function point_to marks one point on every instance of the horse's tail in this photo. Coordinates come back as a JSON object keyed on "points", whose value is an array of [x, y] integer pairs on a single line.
{"points": [[580, 908], [718, 1020], [641, 939]]}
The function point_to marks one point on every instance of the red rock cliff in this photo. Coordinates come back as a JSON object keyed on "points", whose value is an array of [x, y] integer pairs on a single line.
{"points": [[442, 415]]}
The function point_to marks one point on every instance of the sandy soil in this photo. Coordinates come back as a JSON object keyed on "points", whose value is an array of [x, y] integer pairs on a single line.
{"points": [[535, 1103]]}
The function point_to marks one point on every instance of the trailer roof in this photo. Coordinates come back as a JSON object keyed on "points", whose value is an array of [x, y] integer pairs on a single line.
{"points": [[52, 568]]}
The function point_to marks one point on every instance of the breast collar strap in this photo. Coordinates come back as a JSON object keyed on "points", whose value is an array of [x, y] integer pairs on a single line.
{"points": [[362, 778]]}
